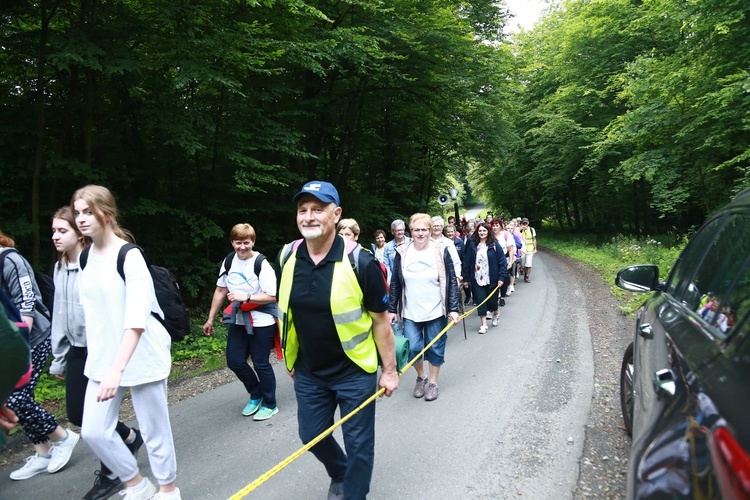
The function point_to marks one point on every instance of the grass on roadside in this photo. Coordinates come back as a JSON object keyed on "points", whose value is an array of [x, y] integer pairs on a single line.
{"points": [[618, 252]]}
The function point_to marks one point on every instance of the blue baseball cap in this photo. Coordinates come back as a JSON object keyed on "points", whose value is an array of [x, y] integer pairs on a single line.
{"points": [[324, 191]]}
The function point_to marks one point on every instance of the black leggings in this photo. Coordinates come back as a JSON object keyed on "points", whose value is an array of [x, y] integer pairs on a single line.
{"points": [[75, 390]]}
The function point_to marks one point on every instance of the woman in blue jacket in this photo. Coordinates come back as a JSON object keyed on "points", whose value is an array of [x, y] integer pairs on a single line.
{"points": [[485, 268]]}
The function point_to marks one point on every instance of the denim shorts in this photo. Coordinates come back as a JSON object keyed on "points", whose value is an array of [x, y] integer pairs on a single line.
{"points": [[420, 334]]}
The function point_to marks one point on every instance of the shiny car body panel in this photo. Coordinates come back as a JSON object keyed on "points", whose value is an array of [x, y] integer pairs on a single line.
{"points": [[690, 377]]}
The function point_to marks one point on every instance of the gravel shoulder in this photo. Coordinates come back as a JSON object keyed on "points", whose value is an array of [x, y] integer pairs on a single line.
{"points": [[606, 447], [607, 444]]}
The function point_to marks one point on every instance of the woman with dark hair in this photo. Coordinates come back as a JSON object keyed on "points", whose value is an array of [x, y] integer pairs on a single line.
{"points": [[53, 445], [69, 342], [378, 248], [484, 268]]}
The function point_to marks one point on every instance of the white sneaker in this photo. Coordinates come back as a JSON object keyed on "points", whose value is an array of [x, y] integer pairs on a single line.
{"points": [[483, 329], [496, 320], [488, 315], [61, 452], [172, 495], [34, 465], [141, 492], [511, 288]]}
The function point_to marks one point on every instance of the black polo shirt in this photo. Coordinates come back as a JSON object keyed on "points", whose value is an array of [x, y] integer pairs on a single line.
{"points": [[320, 353]]}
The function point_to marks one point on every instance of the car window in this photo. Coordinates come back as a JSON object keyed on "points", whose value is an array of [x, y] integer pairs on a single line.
{"points": [[680, 283], [720, 287]]}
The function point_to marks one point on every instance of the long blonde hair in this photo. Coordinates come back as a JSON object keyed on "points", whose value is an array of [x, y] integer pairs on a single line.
{"points": [[66, 214], [102, 203]]}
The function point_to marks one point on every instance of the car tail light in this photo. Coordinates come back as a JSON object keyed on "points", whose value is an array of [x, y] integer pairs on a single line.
{"points": [[732, 465]]}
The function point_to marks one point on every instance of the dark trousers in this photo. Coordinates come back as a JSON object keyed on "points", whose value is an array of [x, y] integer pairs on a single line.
{"points": [[75, 390], [480, 293], [259, 381], [316, 406], [36, 422]]}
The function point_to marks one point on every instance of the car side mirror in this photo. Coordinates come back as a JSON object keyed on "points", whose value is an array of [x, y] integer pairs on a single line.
{"points": [[640, 278]]}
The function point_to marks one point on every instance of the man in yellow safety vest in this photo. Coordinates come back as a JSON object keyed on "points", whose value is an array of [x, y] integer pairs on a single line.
{"points": [[333, 328]]}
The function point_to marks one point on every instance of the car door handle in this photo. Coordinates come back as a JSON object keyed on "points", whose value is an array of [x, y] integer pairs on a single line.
{"points": [[646, 331], [664, 383]]}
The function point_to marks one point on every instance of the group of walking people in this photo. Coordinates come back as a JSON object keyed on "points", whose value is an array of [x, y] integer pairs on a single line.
{"points": [[105, 340], [332, 307], [432, 269]]}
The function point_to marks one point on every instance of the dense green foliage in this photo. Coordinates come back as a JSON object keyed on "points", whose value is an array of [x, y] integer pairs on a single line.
{"points": [[611, 115], [202, 114], [632, 117]]}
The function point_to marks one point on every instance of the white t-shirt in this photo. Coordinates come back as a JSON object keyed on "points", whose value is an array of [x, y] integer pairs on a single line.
{"points": [[110, 307], [241, 278], [507, 242], [422, 297]]}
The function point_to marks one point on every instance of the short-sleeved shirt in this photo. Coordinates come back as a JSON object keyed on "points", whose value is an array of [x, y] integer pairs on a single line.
{"points": [[241, 278], [320, 353]]}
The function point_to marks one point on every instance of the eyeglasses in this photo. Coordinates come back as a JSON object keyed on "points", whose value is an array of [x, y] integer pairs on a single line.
{"points": [[420, 230], [437, 226]]}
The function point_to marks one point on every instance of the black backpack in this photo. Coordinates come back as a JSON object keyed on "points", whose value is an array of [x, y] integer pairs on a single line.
{"points": [[45, 283], [176, 314], [256, 268]]}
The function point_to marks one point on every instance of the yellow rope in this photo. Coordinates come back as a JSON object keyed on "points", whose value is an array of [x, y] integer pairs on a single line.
{"points": [[294, 456]]}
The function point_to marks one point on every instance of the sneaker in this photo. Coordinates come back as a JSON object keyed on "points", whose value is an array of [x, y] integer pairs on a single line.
{"points": [[488, 315], [34, 465], [135, 445], [336, 491], [252, 406], [61, 451], [419, 388], [104, 487], [502, 301], [172, 495], [512, 288], [432, 392], [526, 279], [496, 320], [265, 413], [483, 329], [141, 492], [507, 294]]}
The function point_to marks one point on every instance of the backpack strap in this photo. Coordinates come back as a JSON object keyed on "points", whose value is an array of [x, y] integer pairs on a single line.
{"points": [[227, 263], [121, 258], [258, 262], [289, 249], [353, 251], [84, 257]]}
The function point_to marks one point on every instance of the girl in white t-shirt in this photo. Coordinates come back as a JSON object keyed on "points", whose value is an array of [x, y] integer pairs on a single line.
{"points": [[251, 326], [128, 348]]}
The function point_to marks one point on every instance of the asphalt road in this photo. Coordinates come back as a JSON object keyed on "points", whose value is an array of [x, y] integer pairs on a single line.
{"points": [[509, 422]]}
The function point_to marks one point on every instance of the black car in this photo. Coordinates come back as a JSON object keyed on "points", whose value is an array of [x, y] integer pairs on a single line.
{"points": [[685, 378]]}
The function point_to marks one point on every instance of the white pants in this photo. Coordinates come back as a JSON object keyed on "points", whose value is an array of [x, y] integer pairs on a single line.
{"points": [[527, 259], [150, 405]]}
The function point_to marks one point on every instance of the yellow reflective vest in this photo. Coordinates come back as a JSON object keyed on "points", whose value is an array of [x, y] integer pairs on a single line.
{"points": [[353, 323], [528, 235]]}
